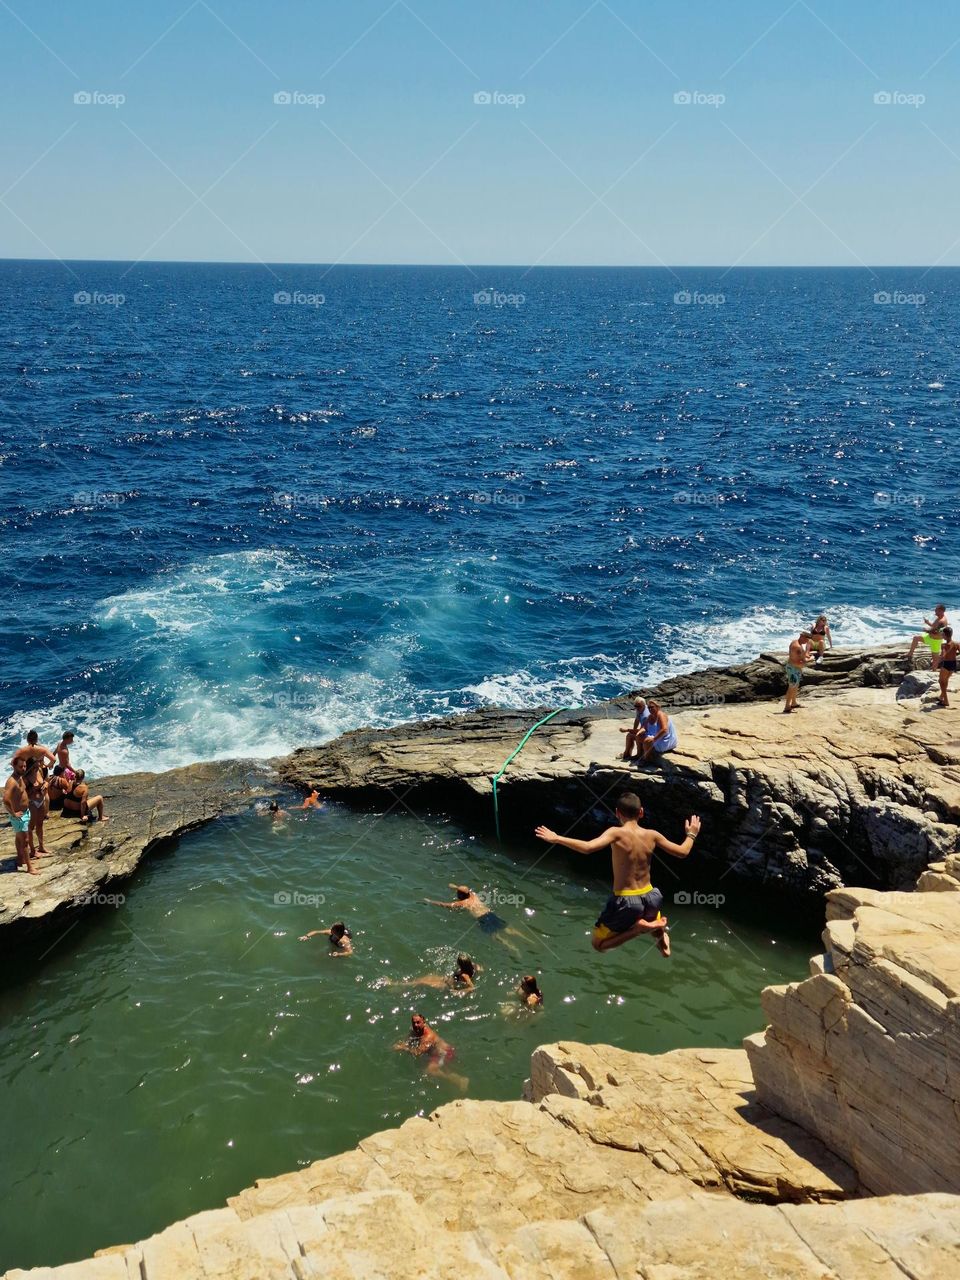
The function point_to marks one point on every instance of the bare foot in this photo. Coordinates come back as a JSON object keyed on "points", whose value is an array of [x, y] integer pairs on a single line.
{"points": [[104, 819], [663, 943]]}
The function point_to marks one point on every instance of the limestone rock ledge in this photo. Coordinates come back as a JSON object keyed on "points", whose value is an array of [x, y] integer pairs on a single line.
{"points": [[866, 1052]]}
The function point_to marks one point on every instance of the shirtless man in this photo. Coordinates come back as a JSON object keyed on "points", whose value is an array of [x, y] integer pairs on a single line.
{"points": [[63, 753], [423, 1042], [932, 637], [488, 920], [17, 803], [634, 906], [339, 937], [796, 661], [34, 751]]}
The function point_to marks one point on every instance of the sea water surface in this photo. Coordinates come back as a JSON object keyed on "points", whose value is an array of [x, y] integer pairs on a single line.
{"points": [[248, 507], [179, 1043]]}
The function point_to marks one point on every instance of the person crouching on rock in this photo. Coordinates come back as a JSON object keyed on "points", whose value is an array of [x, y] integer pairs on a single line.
{"points": [[820, 637], [640, 722], [660, 735], [423, 1042], [79, 803], [796, 661], [948, 663], [634, 906], [339, 937]]}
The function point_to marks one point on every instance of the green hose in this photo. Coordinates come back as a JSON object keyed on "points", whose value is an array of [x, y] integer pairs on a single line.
{"points": [[516, 751]]}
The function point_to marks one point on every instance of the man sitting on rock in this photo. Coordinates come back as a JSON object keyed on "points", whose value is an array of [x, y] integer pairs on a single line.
{"points": [[634, 906], [640, 722]]}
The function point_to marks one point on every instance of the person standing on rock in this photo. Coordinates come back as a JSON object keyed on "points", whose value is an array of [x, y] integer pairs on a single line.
{"points": [[796, 661], [35, 751], [62, 750], [39, 806], [948, 663], [932, 637], [634, 906], [16, 801]]}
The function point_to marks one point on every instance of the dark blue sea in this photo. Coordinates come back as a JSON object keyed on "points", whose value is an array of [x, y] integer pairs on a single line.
{"points": [[246, 508]]}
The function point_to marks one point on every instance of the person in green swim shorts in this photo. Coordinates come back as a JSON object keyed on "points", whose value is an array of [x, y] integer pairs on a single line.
{"points": [[796, 661], [16, 801], [932, 637]]}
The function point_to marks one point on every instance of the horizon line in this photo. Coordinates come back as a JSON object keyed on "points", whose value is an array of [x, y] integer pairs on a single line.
{"points": [[492, 266]]}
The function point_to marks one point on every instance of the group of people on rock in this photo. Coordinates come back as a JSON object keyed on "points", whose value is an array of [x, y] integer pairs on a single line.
{"points": [[937, 636], [42, 780]]}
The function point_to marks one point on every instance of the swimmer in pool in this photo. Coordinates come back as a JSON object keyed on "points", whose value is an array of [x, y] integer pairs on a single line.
{"points": [[339, 937], [488, 920], [423, 1042], [634, 906], [529, 993], [463, 978]]}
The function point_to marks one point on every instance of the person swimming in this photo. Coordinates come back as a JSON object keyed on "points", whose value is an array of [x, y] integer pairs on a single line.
{"points": [[634, 906], [462, 979], [529, 992], [423, 1042], [312, 801], [339, 937]]}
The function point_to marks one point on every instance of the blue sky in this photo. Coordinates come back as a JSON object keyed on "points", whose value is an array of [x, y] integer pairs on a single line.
{"points": [[782, 155]]}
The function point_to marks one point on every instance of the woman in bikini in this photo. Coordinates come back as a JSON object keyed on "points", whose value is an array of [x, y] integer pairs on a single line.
{"points": [[948, 663], [39, 806], [819, 637], [463, 978]]}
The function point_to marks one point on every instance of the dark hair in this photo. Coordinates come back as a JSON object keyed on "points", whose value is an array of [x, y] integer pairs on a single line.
{"points": [[948, 632], [462, 892], [274, 807], [33, 737], [79, 775], [340, 929], [67, 733], [465, 965], [939, 606], [530, 987], [629, 805]]}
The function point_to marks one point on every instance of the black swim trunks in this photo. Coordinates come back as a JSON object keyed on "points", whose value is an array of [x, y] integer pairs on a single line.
{"points": [[491, 922], [622, 911]]}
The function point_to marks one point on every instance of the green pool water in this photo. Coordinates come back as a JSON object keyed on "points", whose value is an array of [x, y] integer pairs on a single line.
{"points": [[166, 1051]]}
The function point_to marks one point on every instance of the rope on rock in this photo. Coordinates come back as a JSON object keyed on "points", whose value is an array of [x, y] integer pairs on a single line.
{"points": [[512, 756]]}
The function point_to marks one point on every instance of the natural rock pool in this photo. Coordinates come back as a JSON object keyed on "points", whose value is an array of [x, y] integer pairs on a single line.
{"points": [[164, 1052]]}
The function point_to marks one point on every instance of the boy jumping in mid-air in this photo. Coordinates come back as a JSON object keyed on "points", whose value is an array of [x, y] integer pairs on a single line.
{"points": [[634, 906]]}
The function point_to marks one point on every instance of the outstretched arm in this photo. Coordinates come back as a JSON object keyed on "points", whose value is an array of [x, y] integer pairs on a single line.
{"points": [[313, 934], [679, 850], [451, 906], [578, 846]]}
